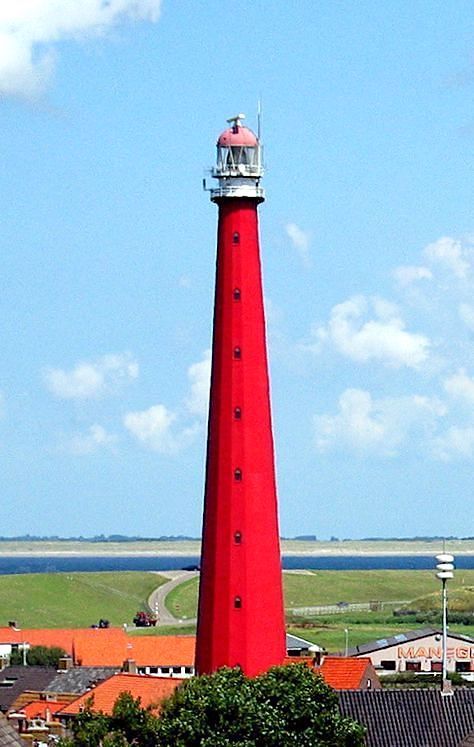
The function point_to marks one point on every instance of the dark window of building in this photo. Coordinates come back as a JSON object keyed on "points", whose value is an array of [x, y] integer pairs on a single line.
{"points": [[237, 353], [236, 237], [188, 670], [153, 670], [238, 474], [236, 294], [413, 666], [237, 413], [389, 665], [176, 670], [237, 603], [165, 670], [463, 666], [436, 666], [238, 538]]}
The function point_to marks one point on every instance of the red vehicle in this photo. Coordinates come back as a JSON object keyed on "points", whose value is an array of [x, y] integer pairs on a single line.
{"points": [[144, 620]]}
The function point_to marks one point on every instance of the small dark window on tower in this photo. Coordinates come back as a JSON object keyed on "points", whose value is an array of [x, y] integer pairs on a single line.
{"points": [[237, 354], [236, 237], [238, 538], [237, 413], [238, 474], [237, 602], [236, 294]]}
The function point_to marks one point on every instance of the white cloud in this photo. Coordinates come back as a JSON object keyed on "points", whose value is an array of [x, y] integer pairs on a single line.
{"points": [[153, 428], [455, 443], [451, 254], [199, 375], [460, 386], [466, 314], [96, 437], [29, 29], [301, 241], [88, 380], [408, 274], [382, 338], [381, 425]]}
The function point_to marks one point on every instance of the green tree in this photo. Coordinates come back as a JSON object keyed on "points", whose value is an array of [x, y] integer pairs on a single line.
{"points": [[42, 656], [285, 707], [129, 724]]}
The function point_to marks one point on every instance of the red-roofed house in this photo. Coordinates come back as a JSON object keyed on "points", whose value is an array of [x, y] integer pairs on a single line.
{"points": [[345, 673], [42, 709], [163, 656], [158, 655], [151, 691]]}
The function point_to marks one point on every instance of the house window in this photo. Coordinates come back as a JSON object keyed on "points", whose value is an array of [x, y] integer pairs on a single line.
{"points": [[238, 474], [389, 665], [236, 237], [237, 413], [237, 353], [436, 666], [463, 666], [413, 666], [237, 603], [236, 294], [238, 538]]}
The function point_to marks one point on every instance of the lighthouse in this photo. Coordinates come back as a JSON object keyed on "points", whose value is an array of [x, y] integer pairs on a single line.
{"points": [[241, 615]]}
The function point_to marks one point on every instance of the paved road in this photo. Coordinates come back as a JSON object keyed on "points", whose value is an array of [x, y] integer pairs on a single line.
{"points": [[156, 600]]}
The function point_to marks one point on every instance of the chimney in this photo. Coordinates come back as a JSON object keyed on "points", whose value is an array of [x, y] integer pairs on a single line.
{"points": [[129, 666], [65, 663]]}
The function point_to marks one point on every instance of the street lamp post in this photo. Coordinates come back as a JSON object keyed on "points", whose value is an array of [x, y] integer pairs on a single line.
{"points": [[346, 649], [445, 568]]}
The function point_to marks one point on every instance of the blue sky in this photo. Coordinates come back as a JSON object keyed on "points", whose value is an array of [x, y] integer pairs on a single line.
{"points": [[109, 113]]}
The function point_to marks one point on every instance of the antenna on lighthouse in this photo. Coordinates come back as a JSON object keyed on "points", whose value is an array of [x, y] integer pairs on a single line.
{"points": [[259, 118], [236, 121]]}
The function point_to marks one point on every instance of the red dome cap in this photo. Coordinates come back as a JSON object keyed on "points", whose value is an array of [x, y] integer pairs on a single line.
{"points": [[237, 135]]}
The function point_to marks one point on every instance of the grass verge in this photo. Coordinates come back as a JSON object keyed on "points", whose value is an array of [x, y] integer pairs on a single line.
{"points": [[56, 600]]}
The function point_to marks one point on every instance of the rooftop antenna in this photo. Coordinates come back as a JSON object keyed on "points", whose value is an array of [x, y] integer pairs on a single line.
{"points": [[236, 121]]}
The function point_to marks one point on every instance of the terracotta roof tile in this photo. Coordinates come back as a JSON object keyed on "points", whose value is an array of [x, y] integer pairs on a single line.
{"points": [[144, 650], [343, 673], [150, 690], [108, 647], [39, 708]]}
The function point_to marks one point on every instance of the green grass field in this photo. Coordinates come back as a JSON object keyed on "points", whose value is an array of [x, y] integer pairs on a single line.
{"points": [[183, 599], [330, 587], [55, 600]]}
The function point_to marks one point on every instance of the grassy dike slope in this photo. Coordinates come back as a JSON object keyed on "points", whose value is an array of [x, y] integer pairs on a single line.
{"points": [[319, 588], [316, 588], [56, 600]]}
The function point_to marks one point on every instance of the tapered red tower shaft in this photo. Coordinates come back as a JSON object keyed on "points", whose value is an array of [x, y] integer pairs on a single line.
{"points": [[240, 619]]}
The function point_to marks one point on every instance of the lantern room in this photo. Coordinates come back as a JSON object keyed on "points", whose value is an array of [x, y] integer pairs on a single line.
{"points": [[239, 162]]}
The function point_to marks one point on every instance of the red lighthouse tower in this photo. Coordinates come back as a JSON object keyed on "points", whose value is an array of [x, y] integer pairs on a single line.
{"points": [[241, 617]]}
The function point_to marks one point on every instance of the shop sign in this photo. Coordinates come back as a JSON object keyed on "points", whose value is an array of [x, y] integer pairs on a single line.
{"points": [[435, 652]]}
